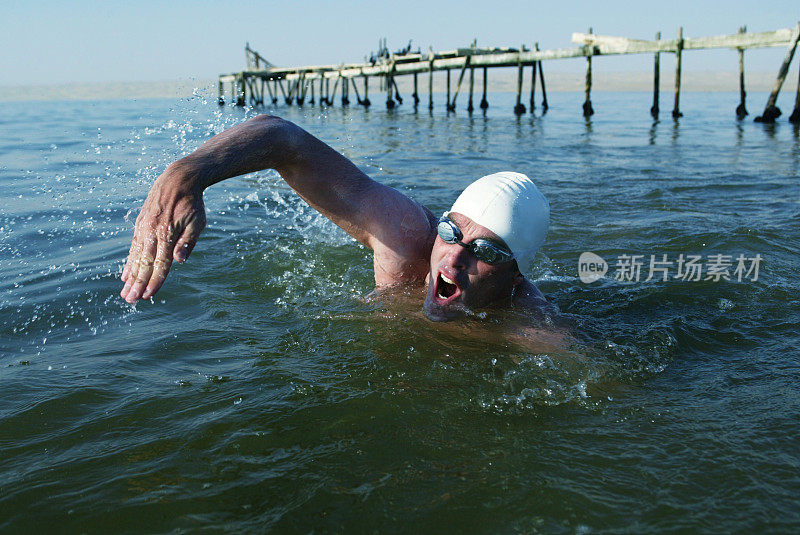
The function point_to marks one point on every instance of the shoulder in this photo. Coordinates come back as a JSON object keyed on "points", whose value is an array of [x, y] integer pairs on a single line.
{"points": [[528, 296], [403, 255]]}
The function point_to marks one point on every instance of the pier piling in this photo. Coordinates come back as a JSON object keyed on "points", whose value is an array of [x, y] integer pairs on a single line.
{"points": [[448, 90], [389, 90], [301, 90], [355, 88], [345, 92], [430, 82], [333, 92], [397, 96], [588, 111], [741, 110], [458, 85], [545, 106], [241, 92], [484, 103], [533, 86], [794, 118], [771, 111], [470, 107], [676, 109], [654, 109], [519, 108]]}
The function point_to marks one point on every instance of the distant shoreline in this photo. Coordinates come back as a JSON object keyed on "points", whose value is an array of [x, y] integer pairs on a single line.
{"points": [[502, 81]]}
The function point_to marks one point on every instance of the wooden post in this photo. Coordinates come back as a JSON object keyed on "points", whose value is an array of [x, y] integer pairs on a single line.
{"points": [[345, 90], [794, 118], [283, 91], [328, 95], [389, 89], [484, 103], [333, 93], [448, 90], [240, 96], [415, 95], [430, 83], [289, 98], [271, 95], [397, 96], [470, 107], [654, 109], [366, 101], [545, 106], [251, 85], [676, 110], [741, 111], [301, 89], [355, 88], [311, 100], [533, 86], [771, 111], [275, 94], [588, 111], [519, 108], [220, 93], [458, 85]]}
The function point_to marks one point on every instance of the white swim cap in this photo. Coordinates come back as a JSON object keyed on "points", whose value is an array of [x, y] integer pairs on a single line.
{"points": [[510, 205]]}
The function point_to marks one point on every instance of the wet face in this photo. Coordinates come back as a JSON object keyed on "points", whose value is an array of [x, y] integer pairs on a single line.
{"points": [[458, 281]]}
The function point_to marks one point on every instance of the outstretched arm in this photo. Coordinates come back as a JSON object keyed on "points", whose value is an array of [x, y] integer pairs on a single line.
{"points": [[397, 229]]}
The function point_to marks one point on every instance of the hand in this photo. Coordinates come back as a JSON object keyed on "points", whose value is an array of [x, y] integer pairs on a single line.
{"points": [[167, 229]]}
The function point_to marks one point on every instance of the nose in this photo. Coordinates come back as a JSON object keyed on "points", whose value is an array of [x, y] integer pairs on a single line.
{"points": [[457, 256]]}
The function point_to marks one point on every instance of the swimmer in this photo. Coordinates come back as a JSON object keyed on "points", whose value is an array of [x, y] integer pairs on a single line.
{"points": [[470, 258]]}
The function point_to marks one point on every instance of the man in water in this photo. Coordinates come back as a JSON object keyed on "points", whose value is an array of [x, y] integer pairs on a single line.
{"points": [[470, 258]]}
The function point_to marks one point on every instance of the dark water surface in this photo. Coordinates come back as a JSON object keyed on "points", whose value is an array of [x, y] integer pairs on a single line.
{"points": [[262, 388]]}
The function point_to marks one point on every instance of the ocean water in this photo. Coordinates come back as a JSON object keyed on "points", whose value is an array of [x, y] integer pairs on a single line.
{"points": [[263, 388]]}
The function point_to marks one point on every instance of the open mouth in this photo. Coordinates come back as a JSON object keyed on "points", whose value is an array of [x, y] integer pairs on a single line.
{"points": [[446, 289]]}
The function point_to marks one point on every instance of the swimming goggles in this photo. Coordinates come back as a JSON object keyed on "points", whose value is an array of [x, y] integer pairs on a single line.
{"points": [[484, 250]]}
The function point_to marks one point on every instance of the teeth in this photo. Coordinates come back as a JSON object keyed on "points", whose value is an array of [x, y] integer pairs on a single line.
{"points": [[448, 281]]}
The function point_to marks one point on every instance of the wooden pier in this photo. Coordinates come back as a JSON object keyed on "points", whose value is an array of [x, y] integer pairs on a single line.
{"points": [[318, 84]]}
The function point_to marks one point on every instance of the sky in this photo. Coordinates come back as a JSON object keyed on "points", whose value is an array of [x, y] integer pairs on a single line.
{"points": [[82, 41]]}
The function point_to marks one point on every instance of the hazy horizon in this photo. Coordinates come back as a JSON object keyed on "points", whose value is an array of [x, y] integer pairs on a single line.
{"points": [[500, 80]]}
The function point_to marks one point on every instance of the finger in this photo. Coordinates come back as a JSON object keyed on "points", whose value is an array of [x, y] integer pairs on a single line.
{"points": [[131, 265], [183, 248], [126, 270], [132, 253], [161, 266], [143, 269]]}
